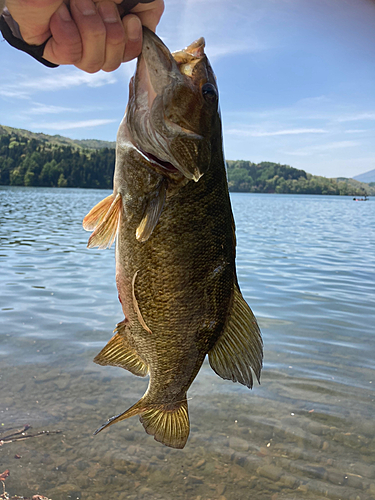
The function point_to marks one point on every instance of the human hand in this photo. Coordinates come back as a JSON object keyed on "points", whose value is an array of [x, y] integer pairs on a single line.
{"points": [[89, 34]]}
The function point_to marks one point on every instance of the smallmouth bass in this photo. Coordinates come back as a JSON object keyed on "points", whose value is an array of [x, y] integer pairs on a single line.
{"points": [[171, 217]]}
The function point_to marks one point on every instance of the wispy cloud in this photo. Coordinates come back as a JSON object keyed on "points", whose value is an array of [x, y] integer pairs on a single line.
{"points": [[71, 125], [322, 148], [217, 50], [25, 86], [258, 133], [356, 117], [211, 18], [45, 109]]}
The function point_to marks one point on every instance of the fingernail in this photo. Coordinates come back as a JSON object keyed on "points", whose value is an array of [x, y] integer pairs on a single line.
{"points": [[86, 7], [64, 13], [134, 29], [108, 13]]}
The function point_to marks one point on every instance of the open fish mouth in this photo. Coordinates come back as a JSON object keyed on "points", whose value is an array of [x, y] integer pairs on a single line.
{"points": [[164, 166]]}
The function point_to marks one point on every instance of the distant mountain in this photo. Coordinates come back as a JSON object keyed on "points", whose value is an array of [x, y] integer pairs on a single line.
{"points": [[366, 177], [57, 139]]}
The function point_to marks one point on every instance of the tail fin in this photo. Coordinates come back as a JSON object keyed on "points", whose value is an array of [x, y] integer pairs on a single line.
{"points": [[168, 423]]}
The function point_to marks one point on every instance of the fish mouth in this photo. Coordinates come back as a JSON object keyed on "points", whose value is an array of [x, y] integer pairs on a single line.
{"points": [[164, 166]]}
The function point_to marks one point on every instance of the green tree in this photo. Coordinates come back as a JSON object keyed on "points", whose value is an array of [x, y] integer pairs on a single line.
{"points": [[62, 182]]}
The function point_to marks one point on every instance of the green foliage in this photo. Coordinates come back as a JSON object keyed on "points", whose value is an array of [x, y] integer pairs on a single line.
{"points": [[57, 140], [268, 177], [28, 161]]}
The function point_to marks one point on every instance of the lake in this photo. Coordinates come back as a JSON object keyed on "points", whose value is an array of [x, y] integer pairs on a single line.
{"points": [[305, 265]]}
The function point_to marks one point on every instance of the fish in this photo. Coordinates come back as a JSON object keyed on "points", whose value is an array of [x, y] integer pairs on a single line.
{"points": [[171, 219]]}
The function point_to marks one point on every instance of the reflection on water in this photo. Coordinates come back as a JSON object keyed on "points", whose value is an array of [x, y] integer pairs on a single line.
{"points": [[306, 266]]}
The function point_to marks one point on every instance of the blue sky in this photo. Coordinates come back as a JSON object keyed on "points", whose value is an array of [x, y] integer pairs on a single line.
{"points": [[296, 80]]}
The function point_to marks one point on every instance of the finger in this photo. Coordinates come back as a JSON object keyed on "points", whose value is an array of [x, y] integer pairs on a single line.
{"points": [[133, 31], [93, 34], [150, 13], [65, 46], [115, 35]]}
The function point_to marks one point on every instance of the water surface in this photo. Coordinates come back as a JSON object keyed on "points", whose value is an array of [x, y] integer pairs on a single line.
{"points": [[305, 265]]}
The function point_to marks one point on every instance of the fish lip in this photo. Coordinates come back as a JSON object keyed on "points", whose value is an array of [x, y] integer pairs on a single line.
{"points": [[165, 166]]}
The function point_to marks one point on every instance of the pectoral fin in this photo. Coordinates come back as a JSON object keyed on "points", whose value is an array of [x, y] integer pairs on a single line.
{"points": [[97, 213], [119, 352], [152, 212], [240, 347], [107, 225]]}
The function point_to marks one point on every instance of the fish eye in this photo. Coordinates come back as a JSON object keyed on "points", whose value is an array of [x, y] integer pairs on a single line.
{"points": [[209, 92]]}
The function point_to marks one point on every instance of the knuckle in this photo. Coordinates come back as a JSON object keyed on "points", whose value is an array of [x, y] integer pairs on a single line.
{"points": [[111, 67], [73, 55], [91, 68], [98, 32]]}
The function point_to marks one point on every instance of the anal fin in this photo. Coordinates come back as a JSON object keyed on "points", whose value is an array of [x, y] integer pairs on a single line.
{"points": [[240, 348], [119, 352]]}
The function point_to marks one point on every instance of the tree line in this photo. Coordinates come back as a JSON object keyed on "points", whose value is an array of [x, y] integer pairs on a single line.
{"points": [[32, 162], [268, 177], [29, 162]]}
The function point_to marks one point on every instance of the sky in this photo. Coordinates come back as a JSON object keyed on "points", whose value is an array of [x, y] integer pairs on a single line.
{"points": [[296, 81]]}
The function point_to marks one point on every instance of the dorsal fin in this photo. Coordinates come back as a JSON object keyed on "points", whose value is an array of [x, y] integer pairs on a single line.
{"points": [[240, 347]]}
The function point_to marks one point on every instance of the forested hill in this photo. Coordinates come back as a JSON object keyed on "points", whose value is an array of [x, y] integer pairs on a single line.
{"points": [[28, 159], [267, 177], [58, 140], [33, 162]]}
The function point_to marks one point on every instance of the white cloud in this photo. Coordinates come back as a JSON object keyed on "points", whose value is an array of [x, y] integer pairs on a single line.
{"points": [[71, 125], [41, 109], [187, 20], [257, 133], [357, 117], [215, 51], [23, 87], [322, 148]]}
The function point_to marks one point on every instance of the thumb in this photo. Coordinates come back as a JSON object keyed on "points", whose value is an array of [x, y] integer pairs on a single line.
{"points": [[33, 18]]}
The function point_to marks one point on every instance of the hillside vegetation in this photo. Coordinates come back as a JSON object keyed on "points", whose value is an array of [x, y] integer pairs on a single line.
{"points": [[32, 162], [267, 177], [57, 139], [29, 159]]}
